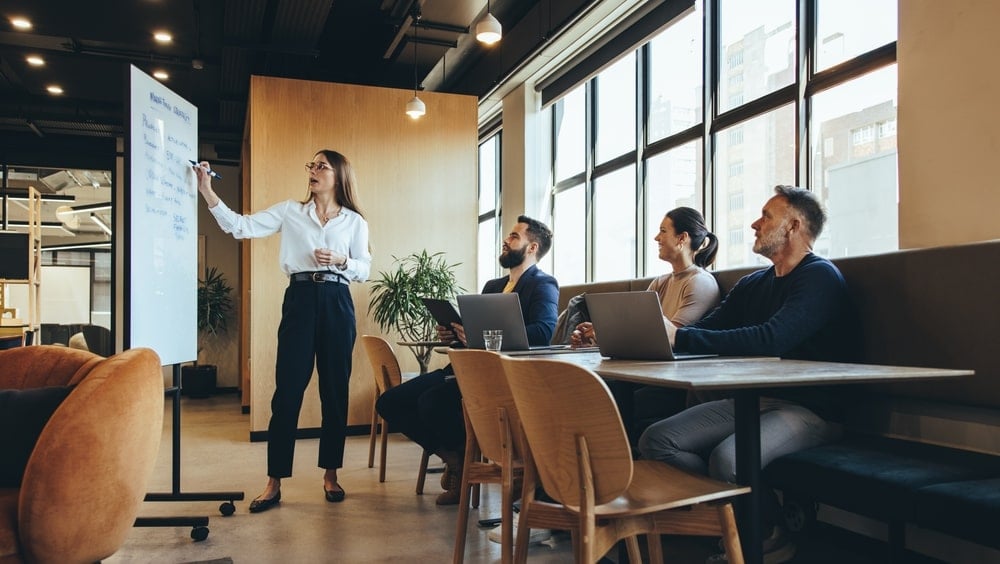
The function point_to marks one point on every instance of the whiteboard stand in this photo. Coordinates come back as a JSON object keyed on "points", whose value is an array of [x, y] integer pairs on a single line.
{"points": [[199, 524]]}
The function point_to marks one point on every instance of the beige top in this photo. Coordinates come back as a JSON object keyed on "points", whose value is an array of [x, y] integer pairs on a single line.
{"points": [[686, 296]]}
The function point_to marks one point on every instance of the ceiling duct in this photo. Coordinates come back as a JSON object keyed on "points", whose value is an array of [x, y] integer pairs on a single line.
{"points": [[60, 180]]}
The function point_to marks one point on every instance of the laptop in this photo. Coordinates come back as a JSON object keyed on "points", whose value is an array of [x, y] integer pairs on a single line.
{"points": [[629, 326], [497, 311]]}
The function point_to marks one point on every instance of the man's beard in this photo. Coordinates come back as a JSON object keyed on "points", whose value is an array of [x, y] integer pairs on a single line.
{"points": [[769, 244], [512, 258]]}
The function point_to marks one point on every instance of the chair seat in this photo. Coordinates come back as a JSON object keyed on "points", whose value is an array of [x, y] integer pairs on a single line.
{"points": [[657, 486]]}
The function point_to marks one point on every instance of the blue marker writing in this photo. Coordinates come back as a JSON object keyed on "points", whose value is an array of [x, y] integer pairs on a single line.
{"points": [[211, 173]]}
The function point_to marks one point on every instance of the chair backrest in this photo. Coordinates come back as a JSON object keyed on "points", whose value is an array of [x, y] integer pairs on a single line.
{"points": [[385, 366], [99, 340], [40, 366], [558, 403], [485, 391], [87, 475]]}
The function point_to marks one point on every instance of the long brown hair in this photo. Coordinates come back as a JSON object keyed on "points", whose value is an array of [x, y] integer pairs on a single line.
{"points": [[345, 182]]}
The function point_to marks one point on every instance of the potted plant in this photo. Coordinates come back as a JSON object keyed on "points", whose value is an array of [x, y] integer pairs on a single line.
{"points": [[215, 306], [395, 298]]}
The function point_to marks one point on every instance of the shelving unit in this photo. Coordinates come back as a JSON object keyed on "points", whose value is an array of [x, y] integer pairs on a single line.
{"points": [[14, 326]]}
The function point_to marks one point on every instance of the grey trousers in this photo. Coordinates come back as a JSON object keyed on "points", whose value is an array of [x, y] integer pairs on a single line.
{"points": [[701, 438]]}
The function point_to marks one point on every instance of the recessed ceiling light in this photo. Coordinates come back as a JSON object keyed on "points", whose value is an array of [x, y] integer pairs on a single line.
{"points": [[21, 23], [35, 60], [163, 36], [161, 74], [54, 89]]}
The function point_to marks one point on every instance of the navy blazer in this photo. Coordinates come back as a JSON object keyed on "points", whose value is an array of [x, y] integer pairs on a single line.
{"points": [[539, 296]]}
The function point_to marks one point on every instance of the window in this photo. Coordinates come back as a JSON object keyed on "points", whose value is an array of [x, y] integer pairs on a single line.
{"points": [[735, 59], [735, 237], [736, 202], [569, 125], [488, 242], [675, 85], [841, 34], [886, 128], [862, 135], [857, 181], [766, 159], [615, 92], [614, 225], [569, 242], [768, 100], [673, 179], [758, 43]]}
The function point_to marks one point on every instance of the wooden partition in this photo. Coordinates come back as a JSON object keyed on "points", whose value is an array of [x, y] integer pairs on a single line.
{"points": [[418, 190]]}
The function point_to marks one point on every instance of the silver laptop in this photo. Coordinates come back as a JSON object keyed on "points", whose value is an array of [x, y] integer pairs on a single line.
{"points": [[497, 311], [629, 326]]}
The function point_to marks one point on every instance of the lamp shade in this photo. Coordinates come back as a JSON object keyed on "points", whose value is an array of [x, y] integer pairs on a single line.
{"points": [[489, 30], [415, 108]]}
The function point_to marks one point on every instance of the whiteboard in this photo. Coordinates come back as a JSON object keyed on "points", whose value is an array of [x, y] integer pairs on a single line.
{"points": [[161, 220]]}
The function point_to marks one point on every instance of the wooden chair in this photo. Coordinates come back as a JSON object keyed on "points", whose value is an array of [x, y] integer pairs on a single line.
{"points": [[493, 441], [385, 368], [578, 449]]}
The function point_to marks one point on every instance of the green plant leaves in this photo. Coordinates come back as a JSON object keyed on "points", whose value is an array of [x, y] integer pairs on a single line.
{"points": [[215, 302], [395, 296]]}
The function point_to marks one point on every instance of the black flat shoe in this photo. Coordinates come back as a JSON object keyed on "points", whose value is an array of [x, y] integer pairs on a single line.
{"points": [[258, 505], [335, 496]]}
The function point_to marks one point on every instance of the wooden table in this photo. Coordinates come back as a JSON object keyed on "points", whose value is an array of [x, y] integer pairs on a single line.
{"points": [[744, 377]]}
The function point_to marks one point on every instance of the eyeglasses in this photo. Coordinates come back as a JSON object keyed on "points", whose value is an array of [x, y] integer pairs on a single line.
{"points": [[318, 167]]}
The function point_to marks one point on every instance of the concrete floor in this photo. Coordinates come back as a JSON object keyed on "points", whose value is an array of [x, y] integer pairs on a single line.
{"points": [[378, 522]]}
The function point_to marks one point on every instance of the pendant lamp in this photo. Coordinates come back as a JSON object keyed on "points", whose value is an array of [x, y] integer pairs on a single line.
{"points": [[489, 30], [415, 107]]}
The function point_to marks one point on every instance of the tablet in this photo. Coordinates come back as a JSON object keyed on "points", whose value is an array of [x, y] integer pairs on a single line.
{"points": [[443, 311]]}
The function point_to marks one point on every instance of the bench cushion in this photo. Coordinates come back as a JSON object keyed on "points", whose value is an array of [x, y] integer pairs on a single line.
{"points": [[875, 476], [968, 509]]}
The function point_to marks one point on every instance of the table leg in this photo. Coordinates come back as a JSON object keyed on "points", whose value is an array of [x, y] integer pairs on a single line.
{"points": [[747, 407]]}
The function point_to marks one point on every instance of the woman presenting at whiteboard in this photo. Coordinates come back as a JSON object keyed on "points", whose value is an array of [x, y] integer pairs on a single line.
{"points": [[324, 246]]}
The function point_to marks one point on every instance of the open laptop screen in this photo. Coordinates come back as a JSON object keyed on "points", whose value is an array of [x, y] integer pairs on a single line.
{"points": [[629, 325]]}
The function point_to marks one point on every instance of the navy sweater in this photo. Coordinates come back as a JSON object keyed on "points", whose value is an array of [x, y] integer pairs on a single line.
{"points": [[804, 315]]}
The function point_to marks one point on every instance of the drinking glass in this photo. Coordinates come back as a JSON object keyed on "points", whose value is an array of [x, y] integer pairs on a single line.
{"points": [[492, 339]]}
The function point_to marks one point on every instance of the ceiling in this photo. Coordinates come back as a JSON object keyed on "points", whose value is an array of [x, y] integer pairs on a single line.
{"points": [[217, 45], [87, 47]]}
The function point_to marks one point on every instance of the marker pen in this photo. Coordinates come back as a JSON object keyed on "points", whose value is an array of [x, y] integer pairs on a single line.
{"points": [[211, 173]]}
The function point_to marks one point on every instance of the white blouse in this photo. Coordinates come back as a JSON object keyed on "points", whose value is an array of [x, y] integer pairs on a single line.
{"points": [[301, 233]]}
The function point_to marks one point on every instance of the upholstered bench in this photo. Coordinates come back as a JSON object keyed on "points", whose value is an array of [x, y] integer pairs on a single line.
{"points": [[892, 480], [968, 509], [876, 476]]}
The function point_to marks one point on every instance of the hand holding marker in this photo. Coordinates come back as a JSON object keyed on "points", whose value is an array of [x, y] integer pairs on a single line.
{"points": [[211, 173]]}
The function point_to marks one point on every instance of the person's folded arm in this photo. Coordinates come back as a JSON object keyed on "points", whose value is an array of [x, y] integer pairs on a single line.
{"points": [[810, 305]]}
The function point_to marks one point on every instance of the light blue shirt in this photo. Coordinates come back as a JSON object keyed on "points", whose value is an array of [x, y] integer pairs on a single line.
{"points": [[302, 233]]}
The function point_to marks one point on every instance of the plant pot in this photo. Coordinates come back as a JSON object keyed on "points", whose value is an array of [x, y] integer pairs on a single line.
{"points": [[198, 381]]}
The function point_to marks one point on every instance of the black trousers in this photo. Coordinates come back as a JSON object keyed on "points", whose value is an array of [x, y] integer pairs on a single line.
{"points": [[317, 329], [427, 409]]}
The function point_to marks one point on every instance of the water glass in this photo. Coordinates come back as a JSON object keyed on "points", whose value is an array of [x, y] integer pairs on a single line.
{"points": [[492, 339]]}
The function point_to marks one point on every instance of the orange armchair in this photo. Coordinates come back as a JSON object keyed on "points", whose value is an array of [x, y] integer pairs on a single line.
{"points": [[87, 474]]}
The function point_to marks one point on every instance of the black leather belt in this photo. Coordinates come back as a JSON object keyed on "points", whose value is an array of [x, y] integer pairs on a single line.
{"points": [[322, 276]]}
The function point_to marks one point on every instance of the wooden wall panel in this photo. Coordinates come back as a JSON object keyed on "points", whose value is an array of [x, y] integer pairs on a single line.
{"points": [[418, 189]]}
